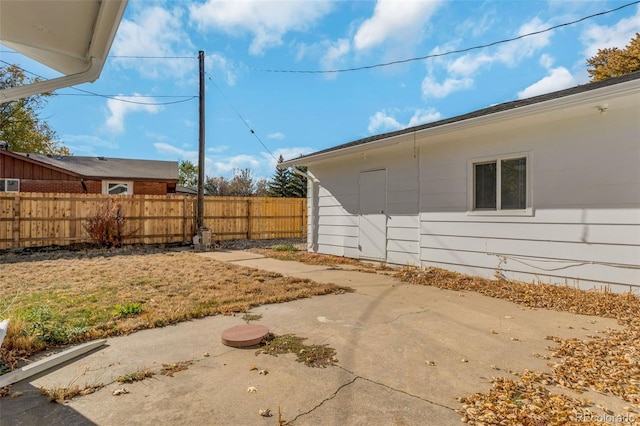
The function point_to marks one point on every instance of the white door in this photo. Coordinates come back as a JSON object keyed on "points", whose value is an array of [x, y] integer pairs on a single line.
{"points": [[372, 241]]}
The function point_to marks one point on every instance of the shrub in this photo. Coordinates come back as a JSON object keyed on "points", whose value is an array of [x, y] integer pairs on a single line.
{"points": [[108, 227]]}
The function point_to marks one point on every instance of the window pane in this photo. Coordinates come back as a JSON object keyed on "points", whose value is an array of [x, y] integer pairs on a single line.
{"points": [[117, 188], [485, 185], [12, 185], [1, 185], [513, 193]]}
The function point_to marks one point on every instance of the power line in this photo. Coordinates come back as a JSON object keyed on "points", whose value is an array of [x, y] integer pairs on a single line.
{"points": [[450, 52], [243, 120]]}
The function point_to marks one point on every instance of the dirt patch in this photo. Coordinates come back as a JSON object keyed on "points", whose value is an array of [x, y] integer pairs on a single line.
{"points": [[60, 298]]}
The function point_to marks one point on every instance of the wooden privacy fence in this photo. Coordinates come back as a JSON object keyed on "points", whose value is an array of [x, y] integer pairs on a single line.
{"points": [[35, 219]]}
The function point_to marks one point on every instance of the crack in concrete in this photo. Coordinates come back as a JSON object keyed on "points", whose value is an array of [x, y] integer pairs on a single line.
{"points": [[333, 395], [358, 377], [403, 315]]}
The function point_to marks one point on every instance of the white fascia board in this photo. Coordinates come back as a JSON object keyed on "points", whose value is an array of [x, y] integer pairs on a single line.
{"points": [[603, 94], [90, 75]]}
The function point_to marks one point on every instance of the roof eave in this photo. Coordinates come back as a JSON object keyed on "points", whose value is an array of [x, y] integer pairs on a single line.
{"points": [[82, 70]]}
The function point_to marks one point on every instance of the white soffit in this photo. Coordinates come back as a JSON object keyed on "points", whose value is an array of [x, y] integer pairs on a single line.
{"points": [[72, 37]]}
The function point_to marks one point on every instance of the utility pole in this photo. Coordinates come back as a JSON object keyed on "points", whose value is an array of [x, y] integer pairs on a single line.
{"points": [[201, 148]]}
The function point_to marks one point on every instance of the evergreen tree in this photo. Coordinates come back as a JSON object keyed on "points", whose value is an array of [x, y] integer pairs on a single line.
{"points": [[297, 185], [279, 184]]}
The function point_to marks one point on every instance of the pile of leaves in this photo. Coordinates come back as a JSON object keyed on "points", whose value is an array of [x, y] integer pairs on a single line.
{"points": [[310, 355], [625, 307], [607, 363]]}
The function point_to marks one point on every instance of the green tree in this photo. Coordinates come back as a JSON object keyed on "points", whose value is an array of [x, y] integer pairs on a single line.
{"points": [[614, 62], [187, 174], [217, 186], [279, 183], [297, 187], [20, 123], [286, 183]]}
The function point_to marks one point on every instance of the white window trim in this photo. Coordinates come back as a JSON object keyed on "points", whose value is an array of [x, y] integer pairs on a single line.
{"points": [[105, 186], [5, 184], [528, 211]]}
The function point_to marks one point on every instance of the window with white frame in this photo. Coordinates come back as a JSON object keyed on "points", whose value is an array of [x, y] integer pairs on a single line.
{"points": [[500, 184], [117, 188], [9, 185]]}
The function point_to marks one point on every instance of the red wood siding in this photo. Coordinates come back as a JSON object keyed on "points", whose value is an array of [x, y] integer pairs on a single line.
{"points": [[20, 169]]}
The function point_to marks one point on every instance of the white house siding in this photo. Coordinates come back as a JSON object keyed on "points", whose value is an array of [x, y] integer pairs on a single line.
{"points": [[584, 228], [333, 229]]}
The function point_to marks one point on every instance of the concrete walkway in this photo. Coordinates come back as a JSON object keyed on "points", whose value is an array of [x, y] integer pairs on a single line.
{"points": [[404, 354]]}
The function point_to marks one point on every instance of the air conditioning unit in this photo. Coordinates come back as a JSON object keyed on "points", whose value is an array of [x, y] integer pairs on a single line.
{"points": [[9, 185]]}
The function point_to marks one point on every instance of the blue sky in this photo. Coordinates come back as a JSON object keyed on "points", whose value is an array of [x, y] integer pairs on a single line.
{"points": [[295, 113]]}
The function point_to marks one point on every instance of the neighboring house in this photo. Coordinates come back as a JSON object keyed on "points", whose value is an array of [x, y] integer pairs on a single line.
{"points": [[541, 189], [90, 175]]}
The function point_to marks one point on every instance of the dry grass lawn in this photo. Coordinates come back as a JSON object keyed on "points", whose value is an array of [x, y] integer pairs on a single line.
{"points": [[60, 298]]}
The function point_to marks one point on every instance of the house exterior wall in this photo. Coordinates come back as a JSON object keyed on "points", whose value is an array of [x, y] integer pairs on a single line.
{"points": [[584, 225], [150, 188], [334, 208], [60, 186]]}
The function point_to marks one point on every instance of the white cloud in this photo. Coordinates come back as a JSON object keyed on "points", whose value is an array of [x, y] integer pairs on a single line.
{"points": [[433, 89], [335, 54], [165, 148], [385, 121], [266, 21], [382, 122], [509, 54], [218, 63], [236, 162], [291, 152], [402, 22], [154, 31], [118, 110], [514, 52], [618, 35], [546, 61], [558, 79], [423, 116], [218, 149], [276, 135]]}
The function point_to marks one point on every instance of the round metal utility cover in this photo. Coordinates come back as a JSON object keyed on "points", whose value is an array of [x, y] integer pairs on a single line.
{"points": [[242, 336]]}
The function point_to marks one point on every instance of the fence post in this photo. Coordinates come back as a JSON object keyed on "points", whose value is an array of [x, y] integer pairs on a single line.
{"points": [[248, 218], [184, 220], [16, 221]]}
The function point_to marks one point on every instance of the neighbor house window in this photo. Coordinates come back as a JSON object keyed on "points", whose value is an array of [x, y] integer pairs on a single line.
{"points": [[500, 184], [9, 185], [117, 188]]}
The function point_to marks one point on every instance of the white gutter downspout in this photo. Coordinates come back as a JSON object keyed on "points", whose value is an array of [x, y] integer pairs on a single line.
{"points": [[312, 237], [89, 75]]}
